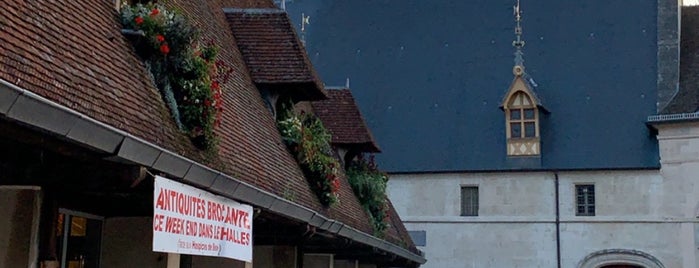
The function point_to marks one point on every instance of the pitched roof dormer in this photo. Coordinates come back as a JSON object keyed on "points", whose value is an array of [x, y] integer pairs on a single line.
{"points": [[341, 116], [274, 54], [521, 104]]}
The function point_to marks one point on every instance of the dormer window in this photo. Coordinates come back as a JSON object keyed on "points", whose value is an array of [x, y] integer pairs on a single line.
{"points": [[522, 110]]}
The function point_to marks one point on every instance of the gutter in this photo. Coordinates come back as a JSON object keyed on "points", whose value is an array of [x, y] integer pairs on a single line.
{"points": [[32, 109], [558, 220], [672, 118]]}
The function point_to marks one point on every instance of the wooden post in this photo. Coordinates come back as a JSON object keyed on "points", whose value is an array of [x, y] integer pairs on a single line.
{"points": [[173, 260]]}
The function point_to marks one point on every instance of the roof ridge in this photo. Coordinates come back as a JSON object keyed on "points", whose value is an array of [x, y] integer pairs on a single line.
{"points": [[253, 10]]}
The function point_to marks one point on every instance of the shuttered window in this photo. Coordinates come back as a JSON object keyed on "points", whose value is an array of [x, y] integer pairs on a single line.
{"points": [[469, 200], [585, 200]]}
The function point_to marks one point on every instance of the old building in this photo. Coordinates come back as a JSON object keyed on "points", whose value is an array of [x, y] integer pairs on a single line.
{"points": [[544, 158], [94, 145]]}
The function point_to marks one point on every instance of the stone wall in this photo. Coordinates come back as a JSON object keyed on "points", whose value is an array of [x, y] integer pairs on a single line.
{"points": [[643, 210]]}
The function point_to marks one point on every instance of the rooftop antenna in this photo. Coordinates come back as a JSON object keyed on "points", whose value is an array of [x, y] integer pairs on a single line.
{"points": [[283, 4], [305, 20], [518, 43], [347, 83]]}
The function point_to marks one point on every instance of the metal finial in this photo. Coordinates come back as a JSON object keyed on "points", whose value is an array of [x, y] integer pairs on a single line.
{"points": [[283, 4], [305, 20], [347, 83], [518, 43], [518, 28]]}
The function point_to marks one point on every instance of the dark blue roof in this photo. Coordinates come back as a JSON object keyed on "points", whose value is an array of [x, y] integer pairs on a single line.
{"points": [[429, 77]]}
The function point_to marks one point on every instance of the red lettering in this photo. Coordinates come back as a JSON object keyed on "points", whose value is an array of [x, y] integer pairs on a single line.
{"points": [[160, 200], [158, 222], [174, 225]]}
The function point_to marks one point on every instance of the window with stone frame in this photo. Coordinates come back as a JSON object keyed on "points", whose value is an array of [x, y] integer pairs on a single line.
{"points": [[585, 200], [469, 200]]}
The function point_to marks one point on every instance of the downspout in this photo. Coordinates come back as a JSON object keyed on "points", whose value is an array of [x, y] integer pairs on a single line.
{"points": [[558, 222]]}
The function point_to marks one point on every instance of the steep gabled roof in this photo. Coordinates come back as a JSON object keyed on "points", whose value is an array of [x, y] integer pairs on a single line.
{"points": [[272, 50], [687, 98], [530, 88], [91, 70], [341, 116]]}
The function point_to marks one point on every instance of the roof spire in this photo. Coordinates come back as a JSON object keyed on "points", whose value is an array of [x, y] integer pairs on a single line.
{"points": [[518, 43], [305, 20], [283, 5]]}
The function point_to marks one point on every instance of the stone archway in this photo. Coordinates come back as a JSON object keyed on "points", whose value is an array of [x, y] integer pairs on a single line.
{"points": [[620, 258]]}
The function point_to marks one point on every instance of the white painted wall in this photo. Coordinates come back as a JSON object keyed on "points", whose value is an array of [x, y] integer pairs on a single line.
{"points": [[652, 211]]}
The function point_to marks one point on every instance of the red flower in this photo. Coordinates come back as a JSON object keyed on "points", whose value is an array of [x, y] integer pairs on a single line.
{"points": [[154, 12], [138, 20], [335, 185], [207, 103], [215, 85], [164, 49], [160, 38]]}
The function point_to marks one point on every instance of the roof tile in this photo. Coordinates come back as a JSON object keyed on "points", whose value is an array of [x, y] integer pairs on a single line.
{"points": [[92, 68], [341, 116], [272, 50]]}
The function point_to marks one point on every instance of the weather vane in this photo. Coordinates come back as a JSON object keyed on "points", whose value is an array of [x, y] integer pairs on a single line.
{"points": [[518, 29], [305, 20], [518, 43]]}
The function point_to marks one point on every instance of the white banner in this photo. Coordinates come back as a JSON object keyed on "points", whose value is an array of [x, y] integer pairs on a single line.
{"points": [[188, 220]]}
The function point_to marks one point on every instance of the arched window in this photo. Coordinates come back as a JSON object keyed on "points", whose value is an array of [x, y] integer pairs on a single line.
{"points": [[522, 121], [522, 117], [620, 258]]}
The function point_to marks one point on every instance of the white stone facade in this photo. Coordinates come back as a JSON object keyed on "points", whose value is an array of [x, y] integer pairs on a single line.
{"points": [[642, 217]]}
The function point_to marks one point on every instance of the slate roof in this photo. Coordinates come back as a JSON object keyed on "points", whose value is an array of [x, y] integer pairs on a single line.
{"points": [[85, 64], [341, 116], [429, 76], [687, 99], [272, 50]]}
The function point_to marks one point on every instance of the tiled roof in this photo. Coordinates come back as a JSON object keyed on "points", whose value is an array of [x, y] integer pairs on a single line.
{"points": [[687, 99], [341, 116], [85, 64], [396, 232], [273, 52]]}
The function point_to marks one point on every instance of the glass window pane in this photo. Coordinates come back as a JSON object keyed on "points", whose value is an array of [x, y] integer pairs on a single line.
{"points": [[528, 113], [515, 114], [581, 209], [469, 201], [515, 130], [530, 129]]}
